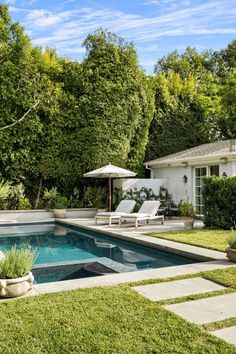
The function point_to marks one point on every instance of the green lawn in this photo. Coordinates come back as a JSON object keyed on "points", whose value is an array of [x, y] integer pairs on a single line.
{"points": [[102, 320], [213, 239]]}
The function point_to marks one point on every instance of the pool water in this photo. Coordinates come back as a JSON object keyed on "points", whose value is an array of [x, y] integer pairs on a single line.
{"points": [[68, 253]]}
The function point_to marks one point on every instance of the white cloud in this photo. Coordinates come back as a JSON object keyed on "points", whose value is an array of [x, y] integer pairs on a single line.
{"points": [[41, 18]]}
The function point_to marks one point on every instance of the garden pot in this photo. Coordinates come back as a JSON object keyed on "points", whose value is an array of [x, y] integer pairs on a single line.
{"points": [[101, 210], [188, 222], [231, 254], [59, 213], [16, 287]]}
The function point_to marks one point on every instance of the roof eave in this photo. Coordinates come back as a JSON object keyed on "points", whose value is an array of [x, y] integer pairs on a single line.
{"points": [[192, 160]]}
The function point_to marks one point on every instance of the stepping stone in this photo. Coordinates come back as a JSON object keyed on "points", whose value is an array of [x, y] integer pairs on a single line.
{"points": [[228, 334], [177, 288], [208, 310]]}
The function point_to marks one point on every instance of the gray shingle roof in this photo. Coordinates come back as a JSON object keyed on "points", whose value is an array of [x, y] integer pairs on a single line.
{"points": [[206, 150]]}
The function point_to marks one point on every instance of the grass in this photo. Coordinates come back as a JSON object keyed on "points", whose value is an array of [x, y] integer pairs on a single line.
{"points": [[212, 239], [104, 320], [100, 320], [229, 322], [226, 277]]}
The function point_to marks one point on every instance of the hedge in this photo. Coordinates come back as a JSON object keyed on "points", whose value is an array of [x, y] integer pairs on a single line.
{"points": [[219, 194]]}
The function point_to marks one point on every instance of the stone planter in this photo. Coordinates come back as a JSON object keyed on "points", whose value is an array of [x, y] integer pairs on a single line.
{"points": [[231, 254], [101, 210], [188, 222], [16, 287], [59, 213]]}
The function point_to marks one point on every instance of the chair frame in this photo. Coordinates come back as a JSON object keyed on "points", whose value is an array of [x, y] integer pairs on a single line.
{"points": [[141, 218]]}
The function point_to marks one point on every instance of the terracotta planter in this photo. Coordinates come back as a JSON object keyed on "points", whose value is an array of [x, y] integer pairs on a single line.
{"points": [[16, 287], [59, 213], [231, 254], [188, 222]]}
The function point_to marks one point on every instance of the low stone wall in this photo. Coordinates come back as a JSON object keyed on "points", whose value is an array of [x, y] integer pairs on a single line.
{"points": [[42, 215]]}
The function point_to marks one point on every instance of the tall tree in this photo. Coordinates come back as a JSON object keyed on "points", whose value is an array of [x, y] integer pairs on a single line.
{"points": [[24, 88], [115, 103]]}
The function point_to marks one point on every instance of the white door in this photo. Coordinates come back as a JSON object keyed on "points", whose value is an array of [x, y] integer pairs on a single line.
{"points": [[200, 173]]}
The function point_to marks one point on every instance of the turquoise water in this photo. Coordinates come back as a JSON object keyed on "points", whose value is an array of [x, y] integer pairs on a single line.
{"points": [[69, 253]]}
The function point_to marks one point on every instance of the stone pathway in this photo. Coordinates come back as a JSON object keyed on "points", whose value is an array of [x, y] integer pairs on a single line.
{"points": [[228, 334], [178, 288], [208, 310], [201, 311]]}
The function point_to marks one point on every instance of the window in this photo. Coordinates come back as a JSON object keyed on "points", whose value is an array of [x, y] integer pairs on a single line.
{"points": [[200, 173], [214, 170]]}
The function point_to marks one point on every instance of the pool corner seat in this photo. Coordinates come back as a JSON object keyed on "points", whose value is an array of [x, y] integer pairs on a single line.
{"points": [[124, 207], [148, 211]]}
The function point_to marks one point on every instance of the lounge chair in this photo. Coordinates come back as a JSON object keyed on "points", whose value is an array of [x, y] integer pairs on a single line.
{"points": [[147, 212], [124, 207]]}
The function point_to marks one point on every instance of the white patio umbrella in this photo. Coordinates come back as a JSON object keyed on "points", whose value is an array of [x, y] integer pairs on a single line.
{"points": [[110, 171]]}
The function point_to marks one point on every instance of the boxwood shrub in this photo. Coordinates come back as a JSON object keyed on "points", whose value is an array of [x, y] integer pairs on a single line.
{"points": [[219, 195]]}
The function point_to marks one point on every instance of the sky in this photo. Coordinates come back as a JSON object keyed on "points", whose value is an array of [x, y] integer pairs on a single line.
{"points": [[156, 27]]}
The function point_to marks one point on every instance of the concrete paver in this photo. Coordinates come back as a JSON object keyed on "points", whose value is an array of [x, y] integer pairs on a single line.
{"points": [[228, 334], [178, 288], [208, 310]]}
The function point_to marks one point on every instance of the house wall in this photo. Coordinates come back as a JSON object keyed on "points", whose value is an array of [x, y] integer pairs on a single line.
{"points": [[174, 178], [174, 181], [229, 168]]}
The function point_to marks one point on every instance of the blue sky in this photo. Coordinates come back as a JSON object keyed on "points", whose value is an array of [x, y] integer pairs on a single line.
{"points": [[156, 27]]}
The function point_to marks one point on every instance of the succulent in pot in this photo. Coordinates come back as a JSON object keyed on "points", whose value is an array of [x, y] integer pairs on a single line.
{"points": [[187, 213], [16, 278], [231, 250]]}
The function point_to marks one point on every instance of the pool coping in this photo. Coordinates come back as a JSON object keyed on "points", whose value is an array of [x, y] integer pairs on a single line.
{"points": [[211, 260], [178, 248]]}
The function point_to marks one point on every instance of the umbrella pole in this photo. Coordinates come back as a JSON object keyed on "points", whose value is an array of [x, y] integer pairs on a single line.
{"points": [[109, 197]]}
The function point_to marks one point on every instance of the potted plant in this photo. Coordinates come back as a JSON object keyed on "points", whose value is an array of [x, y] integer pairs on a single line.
{"points": [[16, 278], [187, 213], [231, 250], [60, 206], [55, 201]]}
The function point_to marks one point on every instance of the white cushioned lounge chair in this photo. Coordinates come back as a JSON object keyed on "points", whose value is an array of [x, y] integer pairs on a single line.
{"points": [[148, 211], [124, 207]]}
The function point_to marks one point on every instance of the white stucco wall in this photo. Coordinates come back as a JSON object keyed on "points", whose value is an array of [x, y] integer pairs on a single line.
{"points": [[175, 183], [229, 168], [174, 178]]}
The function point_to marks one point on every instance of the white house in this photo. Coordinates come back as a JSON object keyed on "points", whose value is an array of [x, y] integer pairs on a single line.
{"points": [[185, 170]]}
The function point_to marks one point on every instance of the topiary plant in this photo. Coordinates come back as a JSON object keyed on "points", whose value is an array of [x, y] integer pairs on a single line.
{"points": [[61, 202]]}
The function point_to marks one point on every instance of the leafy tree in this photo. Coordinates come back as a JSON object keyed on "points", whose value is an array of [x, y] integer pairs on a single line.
{"points": [[182, 117], [114, 100], [24, 90], [227, 121]]}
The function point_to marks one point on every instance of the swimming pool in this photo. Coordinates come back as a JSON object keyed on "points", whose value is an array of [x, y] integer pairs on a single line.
{"points": [[68, 253]]}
